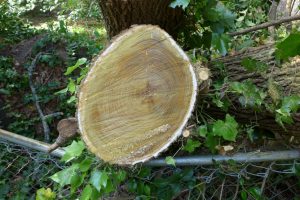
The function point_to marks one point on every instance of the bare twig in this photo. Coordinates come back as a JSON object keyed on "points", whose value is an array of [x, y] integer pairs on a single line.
{"points": [[54, 115], [265, 178], [222, 188], [36, 99], [265, 25], [236, 190]]}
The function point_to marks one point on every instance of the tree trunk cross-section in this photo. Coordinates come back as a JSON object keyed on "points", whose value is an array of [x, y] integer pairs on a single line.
{"points": [[137, 96], [121, 14]]}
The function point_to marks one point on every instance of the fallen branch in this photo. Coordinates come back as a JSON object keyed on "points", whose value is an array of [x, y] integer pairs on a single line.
{"points": [[36, 99], [265, 25], [54, 115]]}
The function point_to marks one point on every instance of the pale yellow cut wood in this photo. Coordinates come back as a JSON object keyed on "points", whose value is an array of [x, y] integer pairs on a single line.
{"points": [[137, 97]]}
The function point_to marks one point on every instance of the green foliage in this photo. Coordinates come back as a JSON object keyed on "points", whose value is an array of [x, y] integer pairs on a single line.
{"points": [[220, 43], [83, 175], [214, 132], [251, 95], [71, 87], [210, 20], [45, 194], [170, 160], [65, 176], [226, 129], [73, 151], [289, 47], [12, 28], [170, 186], [191, 145], [71, 9], [253, 65], [79, 62], [99, 179], [289, 105]]}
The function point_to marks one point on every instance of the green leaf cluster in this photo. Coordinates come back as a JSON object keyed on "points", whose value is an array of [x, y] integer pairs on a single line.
{"points": [[211, 21], [289, 105], [289, 47], [226, 129], [71, 87], [254, 65], [251, 95], [191, 145], [93, 182]]}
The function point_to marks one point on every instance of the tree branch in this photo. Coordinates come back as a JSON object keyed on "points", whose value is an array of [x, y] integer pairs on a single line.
{"points": [[36, 99], [265, 25]]}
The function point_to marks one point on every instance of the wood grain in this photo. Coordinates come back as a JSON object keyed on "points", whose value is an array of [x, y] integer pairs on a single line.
{"points": [[137, 97]]}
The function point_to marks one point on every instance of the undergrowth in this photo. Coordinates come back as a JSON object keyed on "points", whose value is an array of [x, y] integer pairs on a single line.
{"points": [[64, 62]]}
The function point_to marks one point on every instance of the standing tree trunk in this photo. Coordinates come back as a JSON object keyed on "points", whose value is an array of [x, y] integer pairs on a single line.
{"points": [[121, 14]]}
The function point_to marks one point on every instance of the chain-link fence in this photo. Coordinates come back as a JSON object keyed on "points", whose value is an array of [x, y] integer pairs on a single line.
{"points": [[23, 171]]}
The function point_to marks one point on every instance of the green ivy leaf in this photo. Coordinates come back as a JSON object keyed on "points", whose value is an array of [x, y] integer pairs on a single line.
{"points": [[79, 62], [85, 164], [202, 130], [63, 91], [45, 194], [220, 43], [191, 145], [170, 160], [72, 151], [244, 195], [211, 142], [86, 193], [99, 179], [121, 175], [252, 96], [226, 129], [253, 65], [64, 176], [71, 86], [71, 100], [109, 187], [289, 47], [225, 18], [76, 181], [289, 105], [255, 193], [180, 3]]}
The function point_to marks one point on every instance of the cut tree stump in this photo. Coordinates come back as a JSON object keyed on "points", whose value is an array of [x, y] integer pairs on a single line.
{"points": [[137, 96], [140, 92]]}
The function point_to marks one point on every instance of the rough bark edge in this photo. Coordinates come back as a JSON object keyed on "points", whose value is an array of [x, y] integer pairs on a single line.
{"points": [[113, 45]]}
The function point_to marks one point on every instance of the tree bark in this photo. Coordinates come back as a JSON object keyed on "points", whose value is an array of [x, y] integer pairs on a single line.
{"points": [[287, 76], [121, 14]]}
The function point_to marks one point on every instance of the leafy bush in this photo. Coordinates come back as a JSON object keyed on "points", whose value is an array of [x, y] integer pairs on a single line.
{"points": [[12, 28]]}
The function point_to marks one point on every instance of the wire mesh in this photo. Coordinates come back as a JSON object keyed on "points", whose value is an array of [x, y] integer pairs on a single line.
{"points": [[266, 180], [23, 171]]}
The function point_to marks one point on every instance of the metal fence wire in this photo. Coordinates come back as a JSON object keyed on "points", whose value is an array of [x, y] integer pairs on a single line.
{"points": [[24, 170]]}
